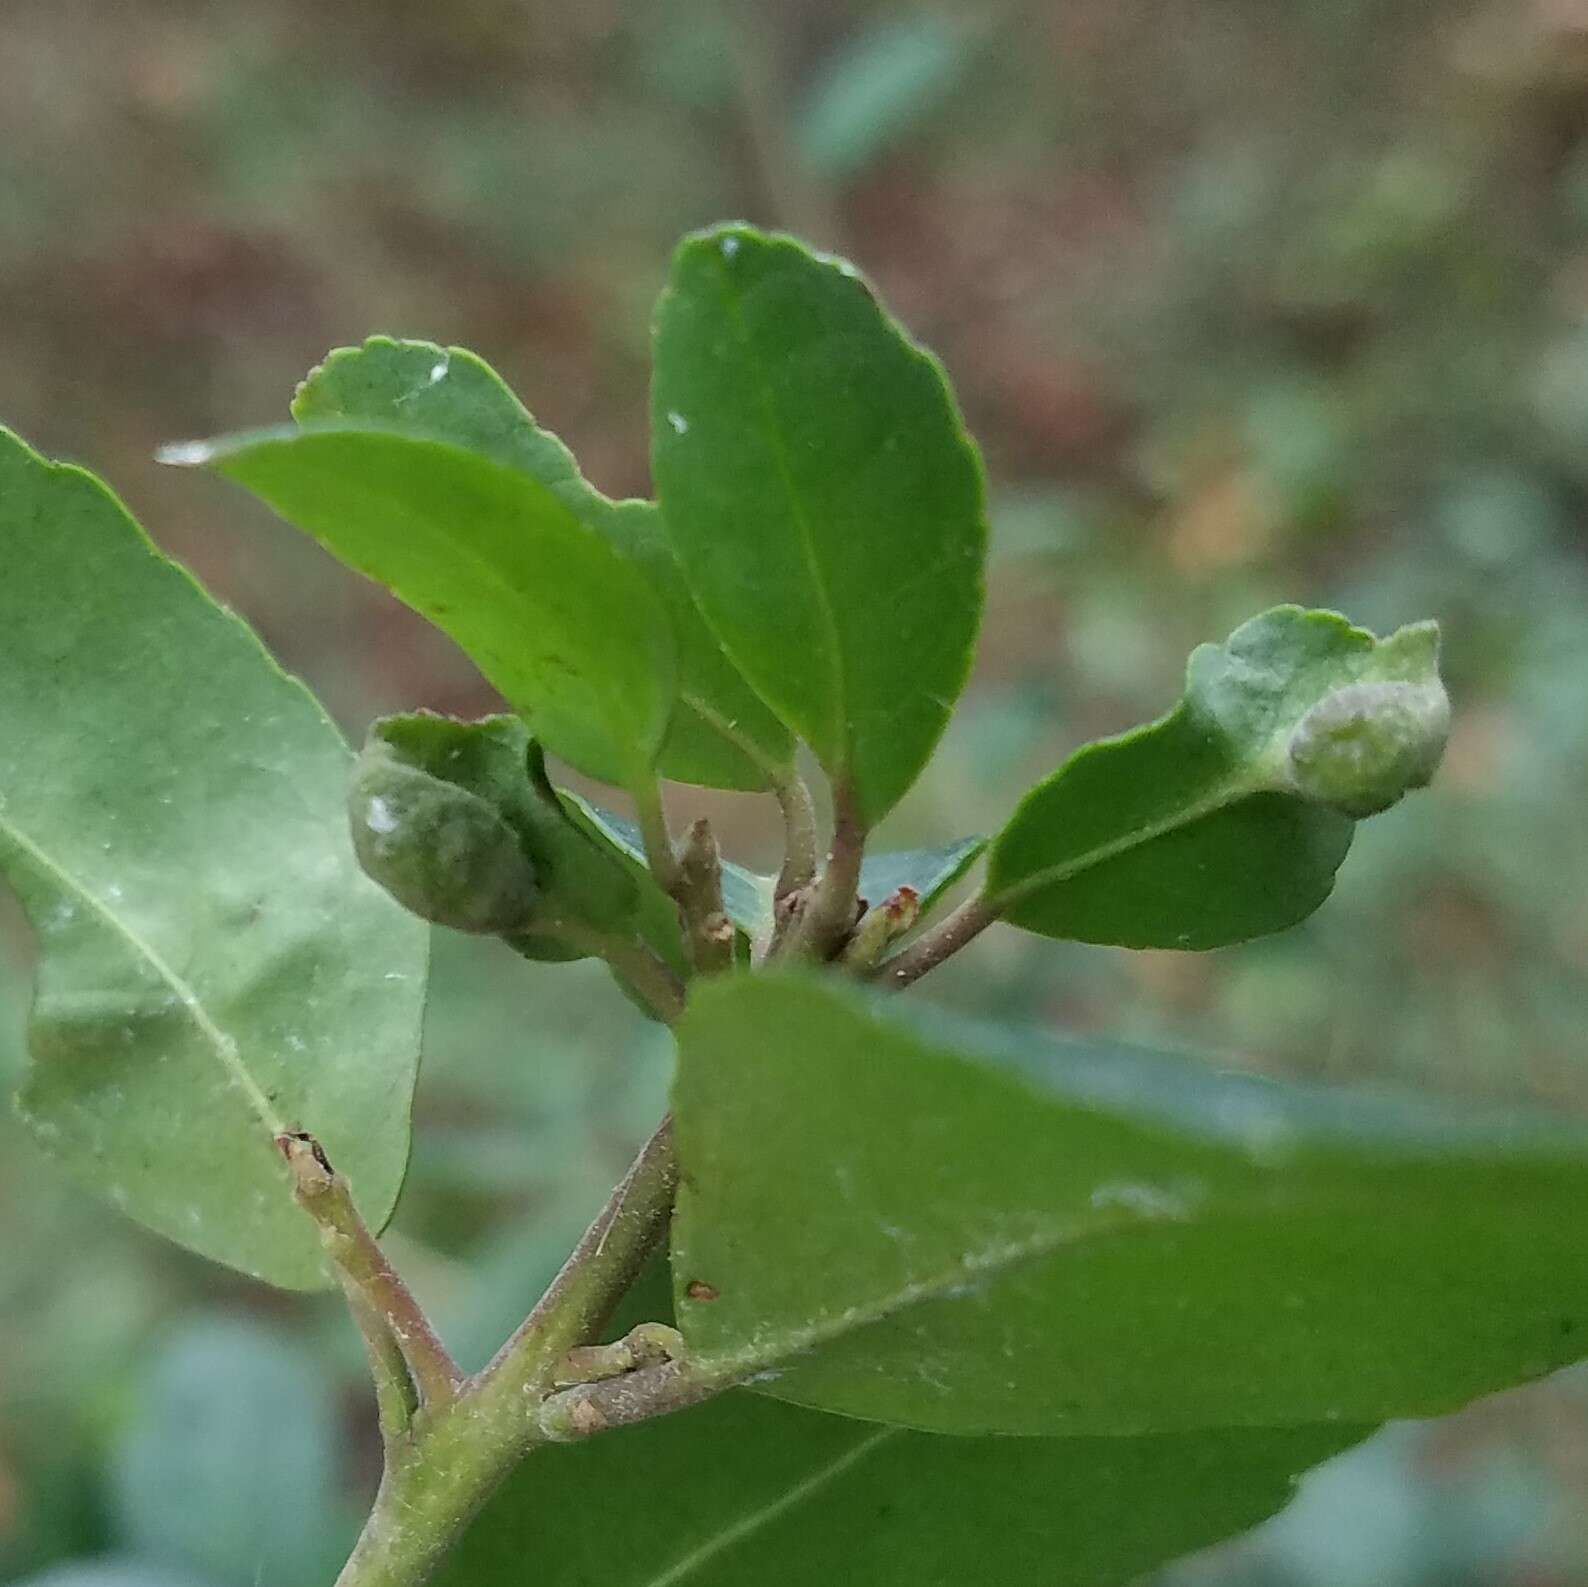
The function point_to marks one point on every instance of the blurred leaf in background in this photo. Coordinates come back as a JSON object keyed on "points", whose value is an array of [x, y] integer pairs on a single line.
{"points": [[228, 1465]]}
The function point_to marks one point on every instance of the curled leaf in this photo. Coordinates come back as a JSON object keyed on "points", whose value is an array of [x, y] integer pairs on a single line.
{"points": [[439, 850], [476, 830], [1366, 746], [1228, 818]]}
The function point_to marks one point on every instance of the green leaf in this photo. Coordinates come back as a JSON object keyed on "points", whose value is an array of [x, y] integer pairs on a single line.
{"points": [[654, 916], [1229, 817], [721, 733], [823, 498], [942, 1232], [425, 781], [767, 1493], [556, 619], [746, 895], [931, 872], [236, 1431], [212, 963]]}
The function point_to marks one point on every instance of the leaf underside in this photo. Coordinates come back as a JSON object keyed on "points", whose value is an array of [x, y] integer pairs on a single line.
{"points": [[557, 620], [758, 1491], [721, 733], [212, 963], [1087, 1239]]}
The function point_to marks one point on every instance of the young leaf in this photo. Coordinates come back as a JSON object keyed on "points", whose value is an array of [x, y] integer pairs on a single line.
{"points": [[213, 965], [823, 498], [722, 734], [768, 1493], [566, 628], [1229, 817], [951, 1233]]}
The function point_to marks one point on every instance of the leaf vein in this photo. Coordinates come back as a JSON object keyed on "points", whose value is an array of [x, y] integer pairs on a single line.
{"points": [[225, 1046], [682, 1568], [779, 450]]}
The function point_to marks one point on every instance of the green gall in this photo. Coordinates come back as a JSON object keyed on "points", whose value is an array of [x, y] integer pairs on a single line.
{"points": [[1366, 745], [438, 849]]}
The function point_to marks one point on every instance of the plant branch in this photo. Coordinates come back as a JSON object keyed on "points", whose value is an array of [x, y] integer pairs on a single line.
{"points": [[602, 1267], [799, 835], [396, 1398], [829, 914], [658, 842], [436, 1480], [942, 942], [658, 1390], [384, 1306]]}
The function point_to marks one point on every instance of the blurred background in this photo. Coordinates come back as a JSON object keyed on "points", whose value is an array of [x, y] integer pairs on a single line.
{"points": [[1246, 300]]}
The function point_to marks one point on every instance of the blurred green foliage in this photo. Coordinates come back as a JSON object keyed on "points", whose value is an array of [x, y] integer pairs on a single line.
{"points": [[1247, 302]]}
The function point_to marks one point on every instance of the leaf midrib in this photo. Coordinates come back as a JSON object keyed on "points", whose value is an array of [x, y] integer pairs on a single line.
{"points": [[224, 1046], [1230, 794], [774, 772], [754, 1520], [813, 563], [520, 595], [992, 1262], [988, 1264]]}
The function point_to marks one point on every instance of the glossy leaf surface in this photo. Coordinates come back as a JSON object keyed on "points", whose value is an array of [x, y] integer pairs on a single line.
{"points": [[757, 1491], [1211, 825], [213, 964], [566, 628], [823, 498], [899, 1223], [721, 732]]}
